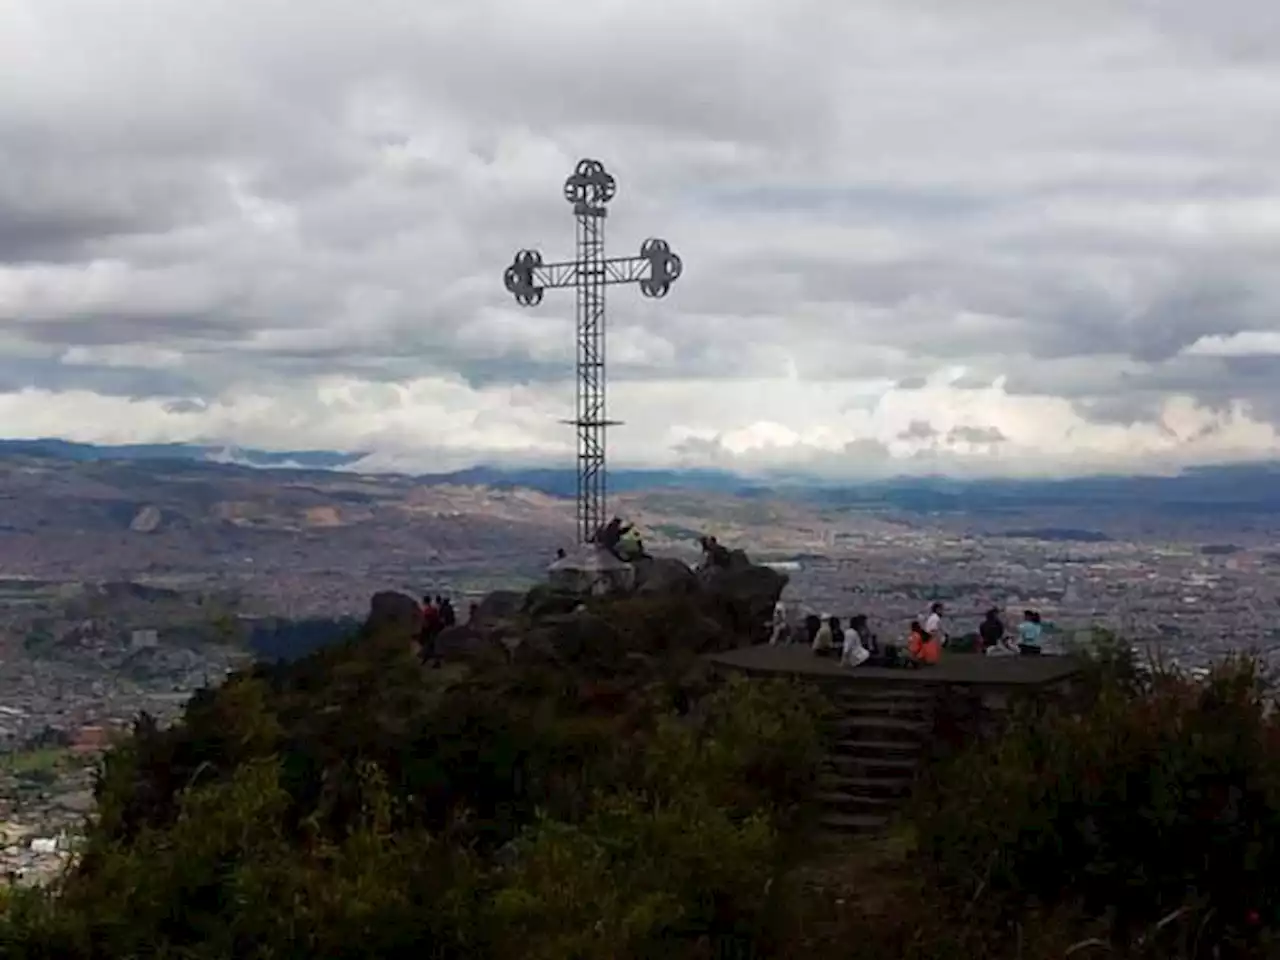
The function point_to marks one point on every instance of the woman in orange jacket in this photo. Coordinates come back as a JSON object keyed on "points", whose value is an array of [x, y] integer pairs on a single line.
{"points": [[922, 649]]}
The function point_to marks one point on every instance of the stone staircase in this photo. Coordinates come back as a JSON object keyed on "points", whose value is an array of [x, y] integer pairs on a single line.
{"points": [[878, 737]]}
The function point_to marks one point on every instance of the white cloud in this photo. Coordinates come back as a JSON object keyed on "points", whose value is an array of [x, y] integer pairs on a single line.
{"points": [[262, 225], [1247, 343], [434, 424]]}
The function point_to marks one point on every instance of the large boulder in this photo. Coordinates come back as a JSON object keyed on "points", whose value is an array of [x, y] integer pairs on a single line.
{"points": [[664, 575], [499, 605], [549, 600], [746, 592], [393, 614]]}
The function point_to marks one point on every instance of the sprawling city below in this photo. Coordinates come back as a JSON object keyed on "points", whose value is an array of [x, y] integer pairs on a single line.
{"points": [[126, 585]]}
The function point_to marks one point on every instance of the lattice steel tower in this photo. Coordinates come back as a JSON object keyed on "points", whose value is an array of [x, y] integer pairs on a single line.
{"points": [[589, 188]]}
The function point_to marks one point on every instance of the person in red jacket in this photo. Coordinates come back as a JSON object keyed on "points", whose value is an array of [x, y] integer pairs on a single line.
{"points": [[923, 649]]}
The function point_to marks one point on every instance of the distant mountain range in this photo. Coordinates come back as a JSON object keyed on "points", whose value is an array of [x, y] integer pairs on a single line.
{"points": [[1236, 489], [54, 449]]}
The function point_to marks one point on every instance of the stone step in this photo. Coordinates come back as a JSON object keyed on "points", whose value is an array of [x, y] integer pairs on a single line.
{"points": [[910, 751], [852, 803], [847, 823], [849, 693], [872, 767], [893, 784], [904, 709], [881, 728]]}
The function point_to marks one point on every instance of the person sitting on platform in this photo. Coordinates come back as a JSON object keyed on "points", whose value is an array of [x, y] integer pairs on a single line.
{"points": [[812, 624], [923, 649], [933, 625], [1029, 634], [779, 625], [824, 644], [998, 645], [869, 640], [854, 654], [991, 631]]}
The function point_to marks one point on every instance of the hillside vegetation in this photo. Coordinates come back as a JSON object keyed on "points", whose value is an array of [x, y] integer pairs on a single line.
{"points": [[358, 803]]}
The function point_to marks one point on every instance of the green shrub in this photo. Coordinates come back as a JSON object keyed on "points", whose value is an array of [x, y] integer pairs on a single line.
{"points": [[638, 878], [1132, 808], [358, 804], [226, 880]]}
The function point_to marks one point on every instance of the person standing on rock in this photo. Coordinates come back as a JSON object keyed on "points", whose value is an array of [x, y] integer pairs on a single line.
{"points": [[430, 628], [448, 616], [430, 615], [713, 553]]}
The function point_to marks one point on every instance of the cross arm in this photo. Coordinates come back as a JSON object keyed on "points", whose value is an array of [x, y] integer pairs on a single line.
{"points": [[654, 270]]}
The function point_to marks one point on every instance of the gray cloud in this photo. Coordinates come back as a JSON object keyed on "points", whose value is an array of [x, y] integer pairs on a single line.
{"points": [[983, 435], [1064, 204], [918, 430]]}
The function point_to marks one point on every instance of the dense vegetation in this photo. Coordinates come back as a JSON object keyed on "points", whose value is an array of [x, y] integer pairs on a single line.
{"points": [[358, 803], [361, 804], [1140, 819]]}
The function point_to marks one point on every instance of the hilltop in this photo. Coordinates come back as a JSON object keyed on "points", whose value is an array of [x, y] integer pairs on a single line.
{"points": [[580, 785]]}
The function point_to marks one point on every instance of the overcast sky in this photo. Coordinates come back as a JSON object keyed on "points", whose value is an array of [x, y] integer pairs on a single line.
{"points": [[992, 236]]}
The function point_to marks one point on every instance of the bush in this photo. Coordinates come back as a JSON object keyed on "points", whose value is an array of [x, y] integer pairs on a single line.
{"points": [[1131, 809], [359, 804], [225, 879]]}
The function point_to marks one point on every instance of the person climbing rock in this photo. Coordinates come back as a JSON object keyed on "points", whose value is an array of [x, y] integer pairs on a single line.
{"points": [[713, 554]]}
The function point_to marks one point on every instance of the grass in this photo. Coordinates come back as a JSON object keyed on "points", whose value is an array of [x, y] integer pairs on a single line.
{"points": [[40, 760]]}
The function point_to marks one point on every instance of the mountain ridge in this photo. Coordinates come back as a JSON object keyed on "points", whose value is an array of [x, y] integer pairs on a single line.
{"points": [[1247, 487]]}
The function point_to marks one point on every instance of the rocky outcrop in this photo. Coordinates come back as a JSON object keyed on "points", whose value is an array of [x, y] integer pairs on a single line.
{"points": [[499, 605], [664, 575], [672, 611], [393, 614], [747, 592]]}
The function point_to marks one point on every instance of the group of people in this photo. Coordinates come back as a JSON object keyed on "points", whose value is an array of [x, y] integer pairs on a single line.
{"points": [[996, 640], [855, 644], [437, 615]]}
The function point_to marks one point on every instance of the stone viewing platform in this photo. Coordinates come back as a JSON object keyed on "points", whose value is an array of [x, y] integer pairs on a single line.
{"points": [[955, 668], [888, 725]]}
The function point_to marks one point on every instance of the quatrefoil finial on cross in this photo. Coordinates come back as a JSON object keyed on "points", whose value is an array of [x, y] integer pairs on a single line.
{"points": [[519, 278], [590, 184], [665, 267]]}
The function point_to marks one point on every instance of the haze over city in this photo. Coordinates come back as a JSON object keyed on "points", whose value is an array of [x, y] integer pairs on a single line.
{"points": [[985, 238]]}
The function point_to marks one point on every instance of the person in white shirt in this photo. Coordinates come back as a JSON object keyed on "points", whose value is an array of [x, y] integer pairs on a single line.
{"points": [[854, 653], [825, 641], [781, 626], [933, 624]]}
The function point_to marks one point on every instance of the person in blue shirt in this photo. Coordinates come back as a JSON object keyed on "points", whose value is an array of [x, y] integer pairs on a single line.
{"points": [[1029, 632]]}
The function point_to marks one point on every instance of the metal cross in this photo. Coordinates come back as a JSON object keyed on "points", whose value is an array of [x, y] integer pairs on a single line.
{"points": [[589, 188]]}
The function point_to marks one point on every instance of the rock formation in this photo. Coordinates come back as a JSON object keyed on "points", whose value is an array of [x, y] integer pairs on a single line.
{"points": [[393, 614], [672, 610]]}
